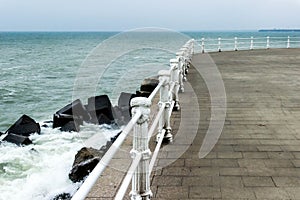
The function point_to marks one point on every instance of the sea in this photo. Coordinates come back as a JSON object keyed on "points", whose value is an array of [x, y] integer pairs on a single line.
{"points": [[42, 72]]}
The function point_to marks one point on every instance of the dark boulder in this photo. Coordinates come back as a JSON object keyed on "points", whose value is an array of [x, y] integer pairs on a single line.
{"points": [[149, 84], [17, 139], [71, 126], [103, 119], [85, 161], [62, 119], [143, 94], [123, 110], [1, 133], [105, 147], [118, 117], [63, 196], [100, 110], [24, 126], [113, 139], [74, 111], [124, 105]]}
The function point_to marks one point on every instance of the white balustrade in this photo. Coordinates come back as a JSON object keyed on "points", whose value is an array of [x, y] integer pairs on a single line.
{"points": [[170, 83], [217, 44]]}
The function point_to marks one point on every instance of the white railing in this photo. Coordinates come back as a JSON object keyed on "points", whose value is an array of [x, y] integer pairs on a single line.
{"points": [[229, 44], [170, 84]]}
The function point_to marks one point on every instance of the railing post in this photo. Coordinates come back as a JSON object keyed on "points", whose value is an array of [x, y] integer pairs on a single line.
{"points": [[268, 42], [192, 46], [251, 43], [164, 122], [183, 69], [202, 45], [141, 178], [235, 44], [288, 42], [182, 74], [219, 44], [175, 78]]}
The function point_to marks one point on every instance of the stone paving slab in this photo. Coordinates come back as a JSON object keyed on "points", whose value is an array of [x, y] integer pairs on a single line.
{"points": [[258, 153]]}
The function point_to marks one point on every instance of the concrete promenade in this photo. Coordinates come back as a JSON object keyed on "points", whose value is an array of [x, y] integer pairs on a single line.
{"points": [[258, 153]]}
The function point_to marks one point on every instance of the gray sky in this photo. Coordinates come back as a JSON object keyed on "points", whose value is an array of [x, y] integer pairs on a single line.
{"points": [[106, 15]]}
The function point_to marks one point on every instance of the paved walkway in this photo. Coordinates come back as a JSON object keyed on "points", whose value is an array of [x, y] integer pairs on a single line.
{"points": [[258, 153]]}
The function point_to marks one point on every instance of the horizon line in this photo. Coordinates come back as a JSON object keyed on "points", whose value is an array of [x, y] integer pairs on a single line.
{"points": [[118, 31]]}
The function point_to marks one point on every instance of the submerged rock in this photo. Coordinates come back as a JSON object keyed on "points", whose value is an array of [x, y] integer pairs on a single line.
{"points": [[113, 139], [17, 139], [71, 126], [24, 126], [63, 196], [85, 161]]}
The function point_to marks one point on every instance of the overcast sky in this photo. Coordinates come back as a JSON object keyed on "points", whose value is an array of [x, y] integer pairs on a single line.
{"points": [[119, 15]]}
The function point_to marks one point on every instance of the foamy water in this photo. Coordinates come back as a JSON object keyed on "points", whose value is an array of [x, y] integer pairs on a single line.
{"points": [[40, 170]]}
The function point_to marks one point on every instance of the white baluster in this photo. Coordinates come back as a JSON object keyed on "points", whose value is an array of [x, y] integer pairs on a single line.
{"points": [[235, 44], [268, 42], [251, 43], [174, 64], [219, 44], [288, 42], [202, 45], [141, 178], [164, 122]]}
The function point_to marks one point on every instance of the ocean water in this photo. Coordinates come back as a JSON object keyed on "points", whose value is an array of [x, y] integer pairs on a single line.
{"points": [[43, 71]]}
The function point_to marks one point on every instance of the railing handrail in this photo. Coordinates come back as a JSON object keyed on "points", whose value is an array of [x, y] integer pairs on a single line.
{"points": [[236, 43], [100, 167], [170, 83]]}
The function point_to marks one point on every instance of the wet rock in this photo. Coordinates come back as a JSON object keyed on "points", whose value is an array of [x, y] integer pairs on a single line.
{"points": [[143, 94], [24, 126], [63, 196], [45, 126], [124, 105], [118, 118], [103, 119], [105, 147], [74, 111], [113, 139], [17, 139], [48, 122], [85, 161], [149, 84], [62, 119], [100, 110], [1, 133], [71, 126]]}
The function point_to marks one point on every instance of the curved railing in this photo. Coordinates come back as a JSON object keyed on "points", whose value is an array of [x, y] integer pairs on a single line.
{"points": [[171, 82], [235, 44]]}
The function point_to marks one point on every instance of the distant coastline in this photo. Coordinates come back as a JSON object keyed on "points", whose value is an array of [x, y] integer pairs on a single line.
{"points": [[279, 30]]}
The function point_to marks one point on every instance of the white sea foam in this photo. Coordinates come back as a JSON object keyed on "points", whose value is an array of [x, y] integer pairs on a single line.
{"points": [[40, 171]]}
